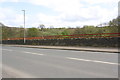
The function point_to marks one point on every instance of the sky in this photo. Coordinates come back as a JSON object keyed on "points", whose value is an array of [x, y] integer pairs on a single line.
{"points": [[57, 13]]}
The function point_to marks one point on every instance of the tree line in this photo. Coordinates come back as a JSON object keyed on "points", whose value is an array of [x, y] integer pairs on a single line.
{"points": [[18, 32]]}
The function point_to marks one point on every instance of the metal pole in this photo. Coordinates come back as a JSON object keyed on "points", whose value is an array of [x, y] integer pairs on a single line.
{"points": [[24, 27]]}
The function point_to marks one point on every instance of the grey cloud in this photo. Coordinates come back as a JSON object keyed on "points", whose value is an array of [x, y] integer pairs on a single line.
{"points": [[76, 18]]}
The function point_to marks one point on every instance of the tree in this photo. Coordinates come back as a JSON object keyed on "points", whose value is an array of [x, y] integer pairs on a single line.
{"points": [[41, 27], [114, 22]]}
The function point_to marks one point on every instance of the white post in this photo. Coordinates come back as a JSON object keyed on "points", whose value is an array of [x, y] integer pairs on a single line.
{"points": [[24, 27]]}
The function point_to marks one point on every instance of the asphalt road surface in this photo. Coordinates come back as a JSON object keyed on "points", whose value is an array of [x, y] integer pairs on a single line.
{"points": [[19, 62]]}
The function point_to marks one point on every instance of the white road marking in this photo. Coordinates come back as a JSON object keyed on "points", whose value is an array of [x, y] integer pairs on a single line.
{"points": [[7, 49], [106, 53], [33, 53], [92, 61]]}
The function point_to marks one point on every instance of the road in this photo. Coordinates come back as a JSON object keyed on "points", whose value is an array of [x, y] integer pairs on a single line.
{"points": [[19, 62]]}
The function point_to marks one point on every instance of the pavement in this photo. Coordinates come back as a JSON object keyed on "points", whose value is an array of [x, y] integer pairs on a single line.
{"points": [[25, 62], [94, 49]]}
